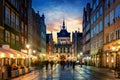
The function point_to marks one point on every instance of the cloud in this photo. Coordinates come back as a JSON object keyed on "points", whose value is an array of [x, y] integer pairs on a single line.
{"points": [[56, 10], [52, 27]]}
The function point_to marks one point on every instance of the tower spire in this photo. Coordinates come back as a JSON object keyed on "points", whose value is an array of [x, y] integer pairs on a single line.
{"points": [[63, 24]]}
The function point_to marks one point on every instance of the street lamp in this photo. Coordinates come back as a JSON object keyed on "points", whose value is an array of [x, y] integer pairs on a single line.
{"points": [[28, 46], [81, 53], [34, 51]]}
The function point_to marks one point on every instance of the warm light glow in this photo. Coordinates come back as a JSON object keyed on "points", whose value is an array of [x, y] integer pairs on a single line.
{"points": [[11, 55], [2, 55], [81, 53], [18, 55], [78, 56], [112, 60], [23, 57], [34, 51], [107, 60], [28, 46], [113, 48]]}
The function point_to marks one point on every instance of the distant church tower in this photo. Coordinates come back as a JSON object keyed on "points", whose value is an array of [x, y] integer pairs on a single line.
{"points": [[63, 36]]}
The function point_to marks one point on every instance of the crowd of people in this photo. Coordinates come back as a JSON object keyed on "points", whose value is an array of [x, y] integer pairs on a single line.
{"points": [[67, 64], [63, 63]]}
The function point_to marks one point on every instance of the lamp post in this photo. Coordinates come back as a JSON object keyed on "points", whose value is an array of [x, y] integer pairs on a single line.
{"points": [[28, 46]]}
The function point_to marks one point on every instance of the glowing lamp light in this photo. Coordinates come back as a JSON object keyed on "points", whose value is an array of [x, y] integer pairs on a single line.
{"points": [[28, 46], [107, 60], [18, 55], [113, 48], [112, 60], [23, 57], [81, 53], [2, 55], [11, 55], [34, 51]]}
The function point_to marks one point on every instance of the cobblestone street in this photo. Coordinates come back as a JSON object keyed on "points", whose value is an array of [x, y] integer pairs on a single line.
{"points": [[84, 73]]}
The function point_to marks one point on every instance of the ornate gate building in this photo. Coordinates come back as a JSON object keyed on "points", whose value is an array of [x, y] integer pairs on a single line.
{"points": [[63, 49]]}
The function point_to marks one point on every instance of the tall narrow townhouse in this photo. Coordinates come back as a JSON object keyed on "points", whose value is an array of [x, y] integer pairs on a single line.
{"points": [[112, 34], [97, 32], [86, 32], [13, 23]]}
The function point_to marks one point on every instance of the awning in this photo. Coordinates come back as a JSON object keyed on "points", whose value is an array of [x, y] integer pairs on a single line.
{"points": [[23, 55], [12, 52], [18, 53], [5, 53]]}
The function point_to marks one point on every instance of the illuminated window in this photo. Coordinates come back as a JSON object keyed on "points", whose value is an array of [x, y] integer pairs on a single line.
{"points": [[7, 36], [17, 40], [12, 38]]}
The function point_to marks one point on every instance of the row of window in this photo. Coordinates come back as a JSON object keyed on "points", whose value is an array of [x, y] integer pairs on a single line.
{"points": [[97, 15], [110, 18], [12, 19], [14, 39], [110, 37], [11, 38], [23, 40], [98, 28], [97, 43], [95, 4], [62, 50], [108, 3], [15, 3]]}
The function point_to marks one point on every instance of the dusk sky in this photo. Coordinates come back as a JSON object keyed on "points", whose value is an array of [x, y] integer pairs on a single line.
{"points": [[57, 10]]}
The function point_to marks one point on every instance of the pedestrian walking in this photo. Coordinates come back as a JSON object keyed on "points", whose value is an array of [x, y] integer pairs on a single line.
{"points": [[73, 65], [46, 64], [62, 63], [51, 64], [81, 64], [67, 64]]}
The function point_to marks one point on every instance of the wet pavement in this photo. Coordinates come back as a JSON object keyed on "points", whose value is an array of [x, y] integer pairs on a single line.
{"points": [[79, 73]]}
